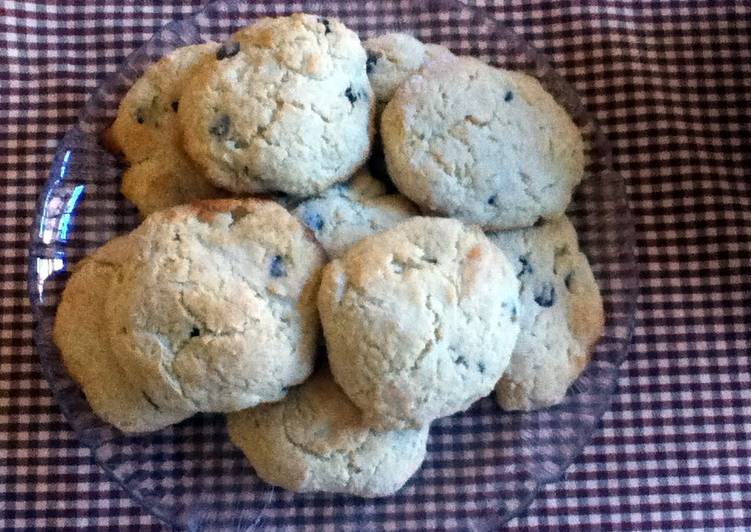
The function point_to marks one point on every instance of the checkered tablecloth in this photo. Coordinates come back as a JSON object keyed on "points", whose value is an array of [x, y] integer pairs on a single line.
{"points": [[668, 82]]}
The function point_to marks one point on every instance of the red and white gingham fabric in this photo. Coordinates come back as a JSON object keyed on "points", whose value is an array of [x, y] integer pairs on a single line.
{"points": [[668, 82]]}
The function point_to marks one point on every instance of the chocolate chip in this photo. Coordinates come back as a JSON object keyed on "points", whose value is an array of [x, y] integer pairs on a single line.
{"points": [[313, 220], [514, 313], [175, 103], [237, 214], [351, 96], [371, 62], [481, 367], [526, 266], [228, 49], [140, 116], [277, 268], [325, 23], [545, 295], [461, 360], [195, 331], [240, 144], [567, 279], [220, 127], [492, 199], [509, 96]]}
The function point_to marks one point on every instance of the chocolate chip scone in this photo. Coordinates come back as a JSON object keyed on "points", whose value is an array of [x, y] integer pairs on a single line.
{"points": [[80, 332], [393, 57], [419, 320], [216, 311], [561, 314], [284, 105], [315, 440], [145, 130], [347, 213], [481, 144]]}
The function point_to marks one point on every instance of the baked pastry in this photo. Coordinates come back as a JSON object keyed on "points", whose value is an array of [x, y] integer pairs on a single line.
{"points": [[419, 320]]}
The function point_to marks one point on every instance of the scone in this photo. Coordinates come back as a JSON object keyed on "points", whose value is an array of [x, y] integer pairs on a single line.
{"points": [[347, 213], [315, 440], [284, 105], [481, 144], [165, 180], [145, 130], [561, 314], [419, 320], [393, 57], [80, 332], [216, 311]]}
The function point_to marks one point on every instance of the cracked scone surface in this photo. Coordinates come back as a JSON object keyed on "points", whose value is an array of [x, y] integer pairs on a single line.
{"points": [[419, 320], [393, 57], [285, 105], [217, 311], [145, 130], [561, 314], [481, 144], [347, 213], [80, 332], [315, 440]]}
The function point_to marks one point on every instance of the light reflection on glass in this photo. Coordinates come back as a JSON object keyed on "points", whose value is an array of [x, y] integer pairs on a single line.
{"points": [[53, 204], [45, 268], [65, 217], [64, 164], [58, 213], [46, 225]]}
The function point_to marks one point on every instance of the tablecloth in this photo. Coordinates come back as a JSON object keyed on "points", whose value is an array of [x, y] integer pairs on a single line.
{"points": [[668, 82]]}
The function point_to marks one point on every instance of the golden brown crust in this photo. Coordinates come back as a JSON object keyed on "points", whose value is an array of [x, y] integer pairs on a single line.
{"points": [[206, 210], [109, 142]]}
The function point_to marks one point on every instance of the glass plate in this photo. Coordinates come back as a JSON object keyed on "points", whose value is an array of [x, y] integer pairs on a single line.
{"points": [[483, 466]]}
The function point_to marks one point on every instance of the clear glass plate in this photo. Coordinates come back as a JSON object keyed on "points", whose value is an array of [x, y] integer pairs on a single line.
{"points": [[483, 466]]}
